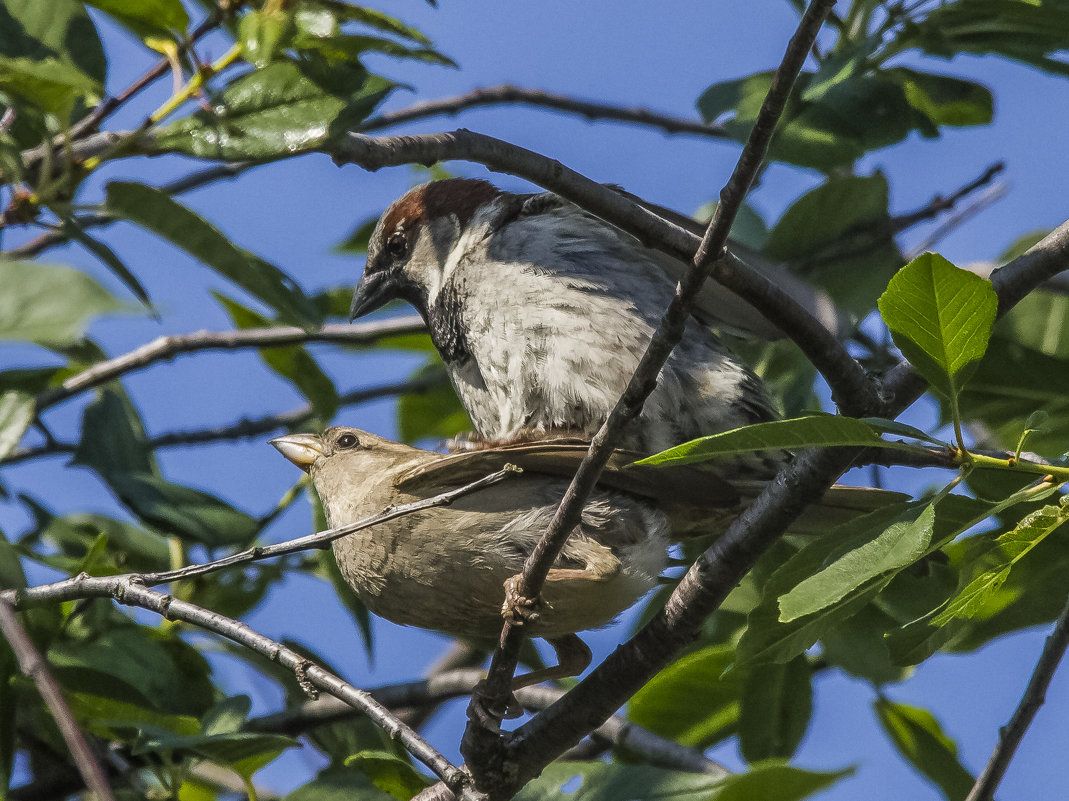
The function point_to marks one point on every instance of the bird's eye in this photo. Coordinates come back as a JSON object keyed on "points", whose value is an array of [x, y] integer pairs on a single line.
{"points": [[397, 245], [347, 441]]}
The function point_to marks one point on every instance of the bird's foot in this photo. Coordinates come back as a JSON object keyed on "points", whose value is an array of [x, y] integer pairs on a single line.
{"points": [[518, 609], [488, 712]]}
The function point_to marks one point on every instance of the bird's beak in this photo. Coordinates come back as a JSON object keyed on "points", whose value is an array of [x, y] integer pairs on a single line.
{"points": [[301, 449], [374, 291]]}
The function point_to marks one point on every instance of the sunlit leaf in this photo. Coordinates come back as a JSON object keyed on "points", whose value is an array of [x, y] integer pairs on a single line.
{"points": [[49, 304], [17, 411]]}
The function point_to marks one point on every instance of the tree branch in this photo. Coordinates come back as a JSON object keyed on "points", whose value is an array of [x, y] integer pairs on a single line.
{"points": [[244, 428], [33, 666], [164, 348], [506, 94], [486, 752], [127, 590], [1013, 732]]}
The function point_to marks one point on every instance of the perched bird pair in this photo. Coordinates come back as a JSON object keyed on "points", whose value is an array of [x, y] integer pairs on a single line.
{"points": [[541, 312]]}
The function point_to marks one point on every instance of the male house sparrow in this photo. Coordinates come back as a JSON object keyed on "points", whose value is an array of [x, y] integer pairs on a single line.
{"points": [[448, 568], [541, 312]]}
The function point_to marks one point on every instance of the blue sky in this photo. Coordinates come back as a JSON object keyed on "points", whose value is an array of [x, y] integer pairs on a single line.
{"points": [[657, 55]]}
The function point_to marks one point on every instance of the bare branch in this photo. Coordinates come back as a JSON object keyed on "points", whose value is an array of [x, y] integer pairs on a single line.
{"points": [[506, 94], [484, 750], [74, 588], [621, 732], [991, 195], [33, 666], [1012, 733], [164, 348], [128, 590]]}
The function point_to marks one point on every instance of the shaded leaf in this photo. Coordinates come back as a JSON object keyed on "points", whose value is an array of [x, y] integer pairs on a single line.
{"points": [[49, 85], [163, 215], [434, 413], [940, 317], [17, 411], [945, 100], [920, 739], [694, 701], [72, 229], [293, 363], [113, 437], [48, 304], [59, 29], [777, 700], [106, 716], [183, 511], [146, 18], [389, 773], [339, 784]]}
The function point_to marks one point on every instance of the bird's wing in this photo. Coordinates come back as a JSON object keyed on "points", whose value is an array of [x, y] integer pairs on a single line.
{"points": [[685, 485], [722, 308]]}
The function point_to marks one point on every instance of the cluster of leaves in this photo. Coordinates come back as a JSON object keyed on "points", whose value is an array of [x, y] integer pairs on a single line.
{"points": [[879, 594]]}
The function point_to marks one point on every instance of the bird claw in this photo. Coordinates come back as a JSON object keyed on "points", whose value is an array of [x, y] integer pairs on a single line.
{"points": [[487, 712], [517, 608]]}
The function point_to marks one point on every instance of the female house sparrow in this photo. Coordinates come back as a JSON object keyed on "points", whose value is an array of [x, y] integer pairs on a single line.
{"points": [[541, 312], [448, 568]]}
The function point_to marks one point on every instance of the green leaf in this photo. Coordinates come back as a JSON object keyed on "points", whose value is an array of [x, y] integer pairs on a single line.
{"points": [[72, 229], [694, 701], [816, 431], [389, 773], [767, 638], [17, 411], [858, 645], [1006, 551], [612, 782], [49, 85], [278, 111], [147, 18], [48, 304], [357, 240], [348, 49], [344, 12], [326, 566], [293, 363], [940, 317], [113, 437], [1030, 31], [777, 700], [183, 511], [226, 716], [59, 29], [164, 216], [823, 216], [434, 413], [104, 716], [945, 100], [899, 545], [264, 33], [1039, 321], [339, 784], [920, 739]]}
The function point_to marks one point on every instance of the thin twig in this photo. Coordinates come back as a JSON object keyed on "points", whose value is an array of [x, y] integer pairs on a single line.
{"points": [[938, 204], [484, 750], [127, 590], [31, 664], [991, 195], [506, 94], [244, 428], [164, 348], [1013, 732], [73, 588], [433, 690]]}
